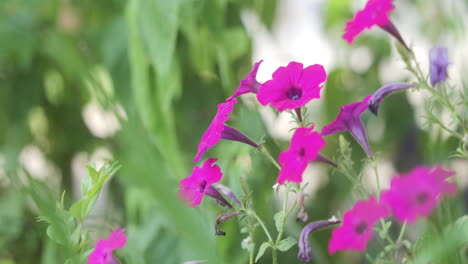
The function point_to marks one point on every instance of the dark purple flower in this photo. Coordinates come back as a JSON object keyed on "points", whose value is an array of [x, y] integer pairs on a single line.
{"points": [[349, 119], [221, 218], [305, 252], [249, 84], [438, 62], [385, 90]]}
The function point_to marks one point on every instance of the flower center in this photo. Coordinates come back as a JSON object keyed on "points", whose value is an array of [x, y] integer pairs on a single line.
{"points": [[421, 198], [361, 228], [301, 152], [202, 186], [294, 93]]}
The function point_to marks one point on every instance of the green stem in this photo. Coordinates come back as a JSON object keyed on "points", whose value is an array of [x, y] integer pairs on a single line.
{"points": [[267, 154], [285, 201], [377, 178], [262, 224], [402, 231]]}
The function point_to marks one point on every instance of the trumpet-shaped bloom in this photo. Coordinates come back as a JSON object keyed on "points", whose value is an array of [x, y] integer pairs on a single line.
{"points": [[304, 148], [102, 253], [375, 13], [349, 119], [218, 130], [384, 91], [357, 225], [417, 193], [438, 63], [292, 86], [249, 84], [305, 252], [194, 187]]}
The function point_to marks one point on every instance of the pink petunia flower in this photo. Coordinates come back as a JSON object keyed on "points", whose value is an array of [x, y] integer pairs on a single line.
{"points": [[304, 148], [249, 84], [102, 253], [349, 119], [375, 13], [218, 130], [417, 193], [357, 226], [193, 188], [292, 86]]}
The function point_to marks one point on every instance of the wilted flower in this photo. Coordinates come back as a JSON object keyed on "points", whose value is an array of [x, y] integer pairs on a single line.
{"points": [[292, 86], [305, 252], [199, 183], [357, 226], [249, 84], [227, 192], [438, 63], [416, 193], [304, 148], [382, 92], [349, 119], [221, 218], [102, 253], [218, 130]]}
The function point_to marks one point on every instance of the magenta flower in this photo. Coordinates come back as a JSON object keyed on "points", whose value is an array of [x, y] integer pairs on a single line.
{"points": [[218, 130], [417, 193], [357, 226], [292, 86], [349, 119], [438, 63], [102, 253], [304, 148], [249, 84], [193, 188], [375, 13]]}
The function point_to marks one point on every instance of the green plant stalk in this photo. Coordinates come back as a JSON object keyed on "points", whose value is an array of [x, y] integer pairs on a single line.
{"points": [[267, 154], [402, 231], [262, 224]]}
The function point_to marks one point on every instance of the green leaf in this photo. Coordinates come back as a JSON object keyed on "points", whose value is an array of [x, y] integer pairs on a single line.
{"points": [[91, 191], [286, 244], [262, 250], [279, 219]]}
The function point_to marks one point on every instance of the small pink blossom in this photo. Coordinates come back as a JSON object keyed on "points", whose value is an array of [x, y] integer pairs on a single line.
{"points": [[292, 86], [194, 187], [249, 84], [304, 148], [349, 119], [356, 230], [375, 13], [417, 193], [213, 133], [102, 253]]}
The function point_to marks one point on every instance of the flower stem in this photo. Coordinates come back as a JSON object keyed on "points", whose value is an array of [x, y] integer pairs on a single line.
{"points": [[267, 154], [402, 231], [262, 224], [377, 178]]}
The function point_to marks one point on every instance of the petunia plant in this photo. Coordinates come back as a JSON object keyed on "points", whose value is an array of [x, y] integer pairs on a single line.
{"points": [[413, 195]]}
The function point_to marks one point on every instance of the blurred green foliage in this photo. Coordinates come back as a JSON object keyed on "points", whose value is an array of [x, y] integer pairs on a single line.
{"points": [[167, 64]]}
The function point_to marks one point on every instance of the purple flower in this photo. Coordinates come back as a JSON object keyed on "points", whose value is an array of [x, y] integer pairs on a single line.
{"points": [[438, 62], [292, 86], [304, 148], [193, 188], [218, 130], [102, 253], [249, 84], [357, 226], [385, 90], [416, 193], [305, 252], [349, 119]]}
